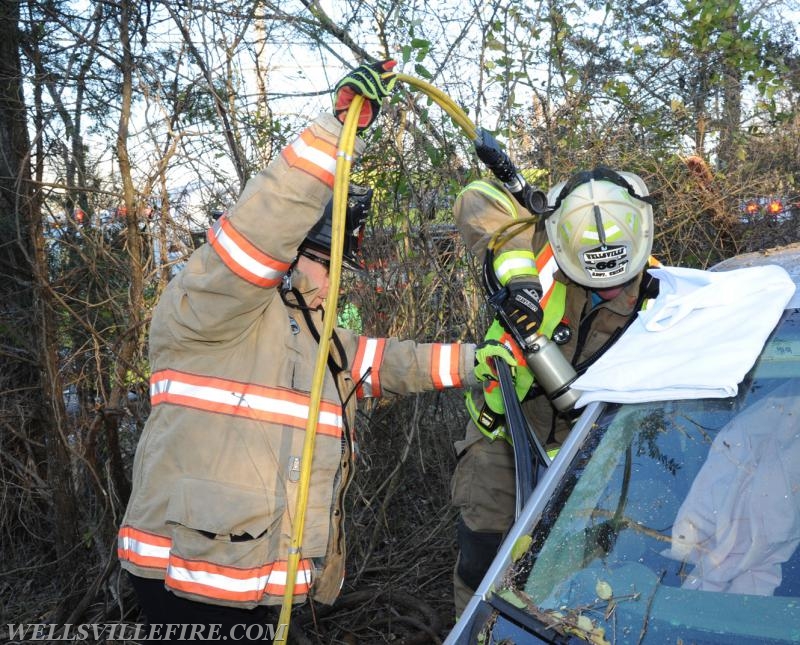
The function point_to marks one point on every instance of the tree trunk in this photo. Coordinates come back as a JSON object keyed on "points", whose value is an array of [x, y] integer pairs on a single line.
{"points": [[132, 340], [31, 387], [729, 137]]}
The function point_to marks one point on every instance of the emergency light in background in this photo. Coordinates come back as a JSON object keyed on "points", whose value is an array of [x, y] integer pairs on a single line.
{"points": [[772, 209]]}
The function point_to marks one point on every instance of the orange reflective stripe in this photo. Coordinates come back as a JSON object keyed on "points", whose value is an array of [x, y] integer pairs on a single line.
{"points": [[278, 578], [508, 340], [206, 578], [444, 365], [257, 402], [142, 548], [231, 583], [312, 155], [367, 366], [547, 267], [244, 259]]}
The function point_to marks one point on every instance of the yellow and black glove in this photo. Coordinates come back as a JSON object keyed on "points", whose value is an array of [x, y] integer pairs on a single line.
{"points": [[374, 81], [522, 307]]}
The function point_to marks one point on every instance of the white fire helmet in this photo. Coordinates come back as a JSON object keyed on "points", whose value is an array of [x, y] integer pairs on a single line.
{"points": [[601, 227]]}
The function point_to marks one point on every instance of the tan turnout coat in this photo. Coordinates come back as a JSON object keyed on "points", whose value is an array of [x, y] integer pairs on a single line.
{"points": [[215, 477]]}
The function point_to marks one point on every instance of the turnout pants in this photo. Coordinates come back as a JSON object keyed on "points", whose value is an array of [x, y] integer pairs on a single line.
{"points": [[232, 624], [483, 491]]}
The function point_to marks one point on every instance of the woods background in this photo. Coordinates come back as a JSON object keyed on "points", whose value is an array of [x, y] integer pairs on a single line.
{"points": [[124, 125]]}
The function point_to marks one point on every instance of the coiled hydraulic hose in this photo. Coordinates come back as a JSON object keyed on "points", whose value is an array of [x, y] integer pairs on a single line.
{"points": [[344, 161]]}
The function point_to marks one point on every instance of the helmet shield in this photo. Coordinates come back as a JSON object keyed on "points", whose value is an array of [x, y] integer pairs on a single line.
{"points": [[601, 227], [319, 238]]}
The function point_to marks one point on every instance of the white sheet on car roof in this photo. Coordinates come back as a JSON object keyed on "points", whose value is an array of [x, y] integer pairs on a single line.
{"points": [[741, 520], [698, 339]]}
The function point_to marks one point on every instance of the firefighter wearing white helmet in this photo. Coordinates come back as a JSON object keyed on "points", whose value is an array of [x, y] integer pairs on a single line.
{"points": [[601, 227], [587, 261]]}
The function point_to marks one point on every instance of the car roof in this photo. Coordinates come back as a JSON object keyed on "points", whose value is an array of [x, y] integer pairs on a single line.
{"points": [[787, 257]]}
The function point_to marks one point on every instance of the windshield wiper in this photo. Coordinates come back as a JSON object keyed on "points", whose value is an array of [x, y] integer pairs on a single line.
{"points": [[527, 621]]}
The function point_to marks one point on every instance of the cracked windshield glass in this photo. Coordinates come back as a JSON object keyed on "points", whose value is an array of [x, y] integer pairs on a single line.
{"points": [[680, 520]]}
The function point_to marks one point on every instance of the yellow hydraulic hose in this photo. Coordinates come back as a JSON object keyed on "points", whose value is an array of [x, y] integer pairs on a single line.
{"points": [[447, 104], [344, 160], [518, 225], [341, 183]]}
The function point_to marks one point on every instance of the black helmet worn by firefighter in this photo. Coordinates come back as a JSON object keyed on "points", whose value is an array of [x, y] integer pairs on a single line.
{"points": [[601, 227], [319, 238]]}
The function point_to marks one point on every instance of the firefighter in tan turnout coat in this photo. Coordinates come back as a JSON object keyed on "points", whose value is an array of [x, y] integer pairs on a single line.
{"points": [[233, 344], [586, 260]]}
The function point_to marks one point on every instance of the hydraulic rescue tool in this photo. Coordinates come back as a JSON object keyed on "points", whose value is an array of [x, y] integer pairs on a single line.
{"points": [[552, 371]]}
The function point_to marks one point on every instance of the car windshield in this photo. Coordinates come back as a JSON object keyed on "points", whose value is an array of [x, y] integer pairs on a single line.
{"points": [[678, 522]]}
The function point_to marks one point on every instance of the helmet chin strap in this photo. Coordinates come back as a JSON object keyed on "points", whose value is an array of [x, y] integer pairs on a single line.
{"points": [[301, 305], [287, 287]]}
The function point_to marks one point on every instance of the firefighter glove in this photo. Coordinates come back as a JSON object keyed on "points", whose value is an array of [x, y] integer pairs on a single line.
{"points": [[522, 307], [486, 353], [494, 157], [499, 345], [374, 82]]}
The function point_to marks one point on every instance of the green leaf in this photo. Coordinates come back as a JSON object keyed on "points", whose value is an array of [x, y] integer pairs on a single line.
{"points": [[571, 80], [521, 546], [511, 597], [421, 71], [622, 90], [603, 590]]}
